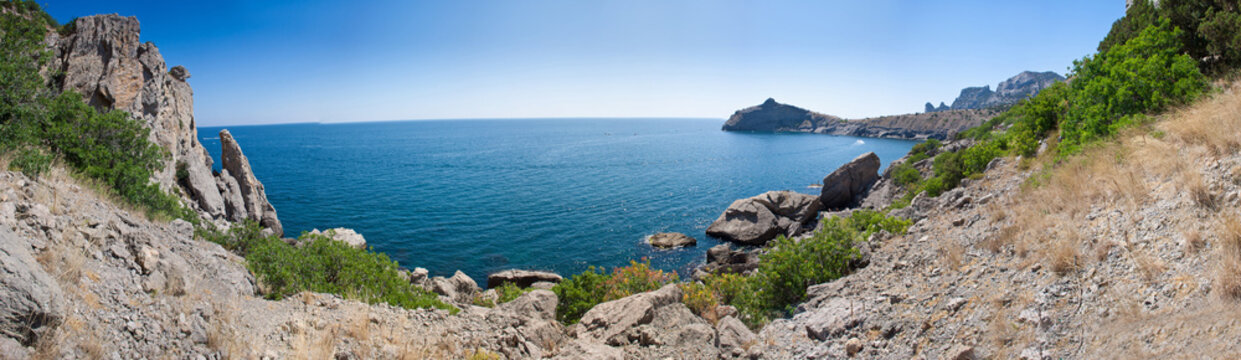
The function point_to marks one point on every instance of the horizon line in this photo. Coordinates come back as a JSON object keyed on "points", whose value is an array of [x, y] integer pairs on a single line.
{"points": [[473, 119]]}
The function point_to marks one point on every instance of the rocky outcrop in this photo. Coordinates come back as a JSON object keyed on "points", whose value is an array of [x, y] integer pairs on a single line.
{"points": [[723, 259], [775, 117], [846, 186], [255, 205], [1009, 92], [522, 278], [650, 325], [31, 301], [459, 288], [103, 59], [347, 236], [755, 220], [670, 240]]}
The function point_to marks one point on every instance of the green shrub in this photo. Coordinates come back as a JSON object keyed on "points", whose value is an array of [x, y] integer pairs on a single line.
{"points": [[1112, 89], [509, 292], [323, 265], [904, 174], [579, 293], [789, 267], [1209, 29]]}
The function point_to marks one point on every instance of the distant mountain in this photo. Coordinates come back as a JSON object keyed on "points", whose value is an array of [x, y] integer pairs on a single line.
{"points": [[772, 116], [1009, 92]]}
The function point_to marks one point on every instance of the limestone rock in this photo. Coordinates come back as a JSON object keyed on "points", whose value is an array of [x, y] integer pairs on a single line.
{"points": [[31, 302], [833, 317], [612, 318], [756, 220], [774, 116], [670, 240], [522, 278], [590, 350], [846, 186], [256, 204], [733, 334], [723, 259], [460, 287]]}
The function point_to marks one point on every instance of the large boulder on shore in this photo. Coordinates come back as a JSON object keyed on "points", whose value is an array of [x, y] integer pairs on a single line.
{"points": [[521, 278], [345, 235], [846, 186], [756, 220]]}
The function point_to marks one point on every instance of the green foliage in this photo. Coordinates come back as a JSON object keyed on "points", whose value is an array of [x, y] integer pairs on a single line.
{"points": [[1209, 29], [509, 292], [789, 267], [1147, 73], [323, 265], [579, 293], [905, 174]]}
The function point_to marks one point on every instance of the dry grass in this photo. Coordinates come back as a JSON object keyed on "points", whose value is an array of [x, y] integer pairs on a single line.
{"points": [[1062, 255], [1228, 258], [1211, 123], [951, 255], [1149, 266], [1193, 241], [1191, 183]]}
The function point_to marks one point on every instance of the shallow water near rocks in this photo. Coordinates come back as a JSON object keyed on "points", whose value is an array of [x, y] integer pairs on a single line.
{"points": [[550, 194]]}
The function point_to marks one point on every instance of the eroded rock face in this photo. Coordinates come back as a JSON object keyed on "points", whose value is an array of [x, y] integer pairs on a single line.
{"points": [[521, 278], [846, 186], [756, 220], [31, 301], [103, 60], [459, 288], [255, 204], [723, 259]]}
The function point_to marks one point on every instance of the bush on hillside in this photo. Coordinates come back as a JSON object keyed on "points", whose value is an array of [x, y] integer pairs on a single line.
{"points": [[579, 293], [1208, 29], [321, 264], [788, 267]]}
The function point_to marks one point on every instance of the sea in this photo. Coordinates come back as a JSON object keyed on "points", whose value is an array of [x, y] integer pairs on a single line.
{"points": [[560, 195]]}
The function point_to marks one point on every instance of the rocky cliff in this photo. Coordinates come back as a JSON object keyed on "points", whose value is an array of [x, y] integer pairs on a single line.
{"points": [[777, 117], [1009, 92], [103, 59]]}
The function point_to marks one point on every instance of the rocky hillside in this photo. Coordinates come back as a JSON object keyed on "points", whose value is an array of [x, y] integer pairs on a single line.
{"points": [[777, 117], [1009, 92], [103, 59]]}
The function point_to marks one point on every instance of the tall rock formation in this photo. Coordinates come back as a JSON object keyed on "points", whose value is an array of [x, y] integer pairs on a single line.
{"points": [[1009, 92], [104, 61]]}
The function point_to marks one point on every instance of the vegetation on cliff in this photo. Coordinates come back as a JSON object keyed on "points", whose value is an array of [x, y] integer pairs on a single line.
{"points": [[320, 264], [39, 127]]}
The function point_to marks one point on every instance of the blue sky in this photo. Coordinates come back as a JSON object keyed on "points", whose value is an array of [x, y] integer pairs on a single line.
{"points": [[333, 61]]}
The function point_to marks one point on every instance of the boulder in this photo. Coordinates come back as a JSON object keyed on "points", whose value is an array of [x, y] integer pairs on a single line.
{"points": [[609, 319], [252, 193], [522, 278], [179, 72], [756, 220], [460, 287], [832, 318], [846, 186], [733, 335], [31, 301], [419, 276], [669, 240], [583, 349], [723, 259], [347, 236]]}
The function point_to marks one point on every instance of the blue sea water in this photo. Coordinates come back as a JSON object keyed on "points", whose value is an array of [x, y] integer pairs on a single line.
{"points": [[549, 194]]}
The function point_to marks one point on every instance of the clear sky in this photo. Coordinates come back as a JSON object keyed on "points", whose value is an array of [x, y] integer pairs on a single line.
{"points": [[333, 61]]}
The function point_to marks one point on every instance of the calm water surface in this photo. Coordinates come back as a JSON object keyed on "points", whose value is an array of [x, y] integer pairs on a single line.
{"points": [[550, 194]]}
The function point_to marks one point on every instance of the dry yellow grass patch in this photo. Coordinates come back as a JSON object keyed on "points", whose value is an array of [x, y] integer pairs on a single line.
{"points": [[952, 255], [1228, 258], [1213, 123]]}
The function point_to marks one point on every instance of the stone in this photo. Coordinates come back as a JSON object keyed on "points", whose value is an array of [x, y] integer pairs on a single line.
{"points": [[179, 72], [418, 276], [590, 350], [846, 186], [12, 349], [537, 304], [252, 193], [733, 334], [347, 236], [756, 220], [521, 278], [853, 346], [723, 259], [31, 301], [611, 318], [833, 317], [960, 352], [671, 240]]}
